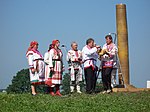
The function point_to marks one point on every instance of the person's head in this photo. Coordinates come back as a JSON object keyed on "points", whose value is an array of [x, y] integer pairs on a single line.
{"points": [[55, 43], [90, 42], [50, 47], [74, 46], [34, 45], [108, 39]]}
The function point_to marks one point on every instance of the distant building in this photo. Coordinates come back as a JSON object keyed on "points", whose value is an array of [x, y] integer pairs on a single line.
{"points": [[3, 90], [148, 84]]}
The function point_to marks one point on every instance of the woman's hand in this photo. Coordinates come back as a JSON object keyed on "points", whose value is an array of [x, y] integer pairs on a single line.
{"points": [[33, 70], [51, 69]]}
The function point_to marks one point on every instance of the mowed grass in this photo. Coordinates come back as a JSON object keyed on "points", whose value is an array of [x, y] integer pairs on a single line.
{"points": [[114, 102]]}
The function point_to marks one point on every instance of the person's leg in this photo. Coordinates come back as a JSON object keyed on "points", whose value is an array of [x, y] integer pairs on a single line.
{"points": [[85, 75], [58, 90], [47, 89], [93, 80], [72, 86], [72, 83], [33, 89], [78, 81], [108, 77], [52, 90], [104, 80], [88, 72]]}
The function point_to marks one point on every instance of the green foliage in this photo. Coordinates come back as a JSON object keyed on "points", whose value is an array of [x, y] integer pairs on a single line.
{"points": [[114, 102], [66, 84], [20, 82]]}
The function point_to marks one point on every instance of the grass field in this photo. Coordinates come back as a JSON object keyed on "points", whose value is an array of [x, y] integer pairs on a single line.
{"points": [[114, 102]]}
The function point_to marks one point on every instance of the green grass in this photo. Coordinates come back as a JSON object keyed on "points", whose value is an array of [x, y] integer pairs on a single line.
{"points": [[115, 102]]}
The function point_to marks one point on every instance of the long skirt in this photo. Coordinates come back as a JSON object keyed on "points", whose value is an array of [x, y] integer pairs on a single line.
{"points": [[38, 77], [55, 77], [47, 72]]}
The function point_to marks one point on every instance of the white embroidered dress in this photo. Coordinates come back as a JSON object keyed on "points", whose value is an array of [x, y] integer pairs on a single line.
{"points": [[55, 61], [47, 69], [35, 60]]}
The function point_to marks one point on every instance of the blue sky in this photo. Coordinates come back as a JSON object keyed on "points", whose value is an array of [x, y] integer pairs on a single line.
{"points": [[22, 21]]}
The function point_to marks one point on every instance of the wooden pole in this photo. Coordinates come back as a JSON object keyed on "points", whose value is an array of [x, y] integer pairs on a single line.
{"points": [[122, 34]]}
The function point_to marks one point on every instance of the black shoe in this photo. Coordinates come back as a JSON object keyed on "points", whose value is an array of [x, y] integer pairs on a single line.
{"points": [[88, 92], [34, 94]]}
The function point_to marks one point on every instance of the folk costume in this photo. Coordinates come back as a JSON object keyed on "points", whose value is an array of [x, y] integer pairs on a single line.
{"points": [[107, 60], [55, 62], [47, 69], [74, 59], [35, 61], [90, 58]]}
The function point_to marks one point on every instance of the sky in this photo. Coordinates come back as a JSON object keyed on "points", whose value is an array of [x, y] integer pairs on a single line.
{"points": [[22, 21]]}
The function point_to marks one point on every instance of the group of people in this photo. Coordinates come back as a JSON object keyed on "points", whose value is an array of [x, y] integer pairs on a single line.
{"points": [[48, 69]]}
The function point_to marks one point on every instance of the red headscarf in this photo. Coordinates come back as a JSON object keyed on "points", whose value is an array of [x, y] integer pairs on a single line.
{"points": [[54, 42], [32, 44]]}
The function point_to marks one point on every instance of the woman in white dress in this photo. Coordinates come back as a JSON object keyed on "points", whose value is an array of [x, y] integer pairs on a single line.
{"points": [[56, 68], [36, 66]]}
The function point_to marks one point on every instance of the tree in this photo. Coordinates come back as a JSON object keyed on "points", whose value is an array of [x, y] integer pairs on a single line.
{"points": [[21, 83], [66, 84]]}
